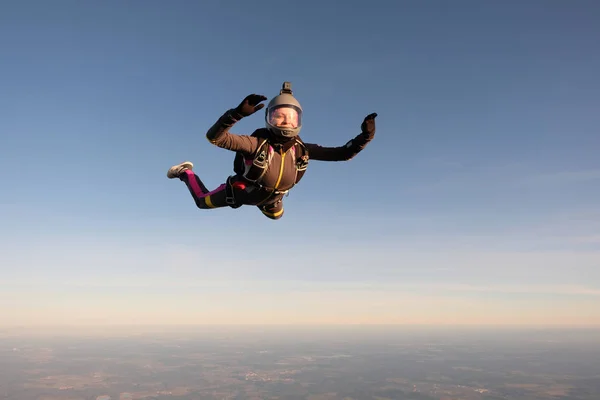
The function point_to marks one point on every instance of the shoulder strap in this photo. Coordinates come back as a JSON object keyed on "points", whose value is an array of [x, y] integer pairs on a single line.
{"points": [[256, 168], [302, 158], [253, 169]]}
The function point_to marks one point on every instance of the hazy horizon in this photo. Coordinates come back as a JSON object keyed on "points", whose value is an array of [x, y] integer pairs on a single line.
{"points": [[108, 330], [359, 363]]}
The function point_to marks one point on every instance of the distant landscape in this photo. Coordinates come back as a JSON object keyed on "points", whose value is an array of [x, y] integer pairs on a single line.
{"points": [[312, 363]]}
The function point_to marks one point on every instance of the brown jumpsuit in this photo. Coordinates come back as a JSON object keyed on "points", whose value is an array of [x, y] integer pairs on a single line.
{"points": [[279, 177]]}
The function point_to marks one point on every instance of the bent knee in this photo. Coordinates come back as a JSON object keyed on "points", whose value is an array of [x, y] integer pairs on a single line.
{"points": [[276, 214], [273, 216], [204, 203]]}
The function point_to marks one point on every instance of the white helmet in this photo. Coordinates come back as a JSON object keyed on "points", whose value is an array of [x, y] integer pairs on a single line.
{"points": [[283, 115]]}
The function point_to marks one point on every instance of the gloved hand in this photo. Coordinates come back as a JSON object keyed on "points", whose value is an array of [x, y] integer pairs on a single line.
{"points": [[250, 105], [368, 125]]}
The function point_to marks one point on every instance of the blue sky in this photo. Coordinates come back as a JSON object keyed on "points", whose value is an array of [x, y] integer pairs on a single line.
{"points": [[477, 202]]}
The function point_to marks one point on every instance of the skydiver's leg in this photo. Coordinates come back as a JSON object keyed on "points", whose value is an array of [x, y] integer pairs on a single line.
{"points": [[273, 210], [203, 198]]}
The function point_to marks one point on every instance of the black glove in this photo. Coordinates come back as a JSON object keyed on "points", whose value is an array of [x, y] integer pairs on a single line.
{"points": [[250, 105], [368, 125]]}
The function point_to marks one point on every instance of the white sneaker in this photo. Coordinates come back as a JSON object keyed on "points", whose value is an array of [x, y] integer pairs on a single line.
{"points": [[178, 169]]}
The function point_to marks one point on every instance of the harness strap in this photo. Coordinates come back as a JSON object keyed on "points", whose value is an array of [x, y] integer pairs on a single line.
{"points": [[254, 168], [254, 171], [302, 162], [230, 193]]}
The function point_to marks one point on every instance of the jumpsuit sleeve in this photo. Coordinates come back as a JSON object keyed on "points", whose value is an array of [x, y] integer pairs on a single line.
{"points": [[341, 153], [219, 135]]}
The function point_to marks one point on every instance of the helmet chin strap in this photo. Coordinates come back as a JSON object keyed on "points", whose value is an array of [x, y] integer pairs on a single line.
{"points": [[278, 138]]}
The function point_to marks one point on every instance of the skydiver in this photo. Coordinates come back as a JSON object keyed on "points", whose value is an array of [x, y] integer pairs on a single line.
{"points": [[271, 160]]}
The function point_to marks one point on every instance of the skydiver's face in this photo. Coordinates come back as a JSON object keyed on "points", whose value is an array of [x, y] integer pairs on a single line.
{"points": [[284, 117]]}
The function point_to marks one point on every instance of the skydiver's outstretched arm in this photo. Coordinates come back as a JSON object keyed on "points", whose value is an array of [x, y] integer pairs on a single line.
{"points": [[350, 149], [219, 134]]}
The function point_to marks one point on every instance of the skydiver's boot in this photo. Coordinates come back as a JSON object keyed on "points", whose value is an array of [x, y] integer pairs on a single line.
{"points": [[185, 174], [176, 170]]}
